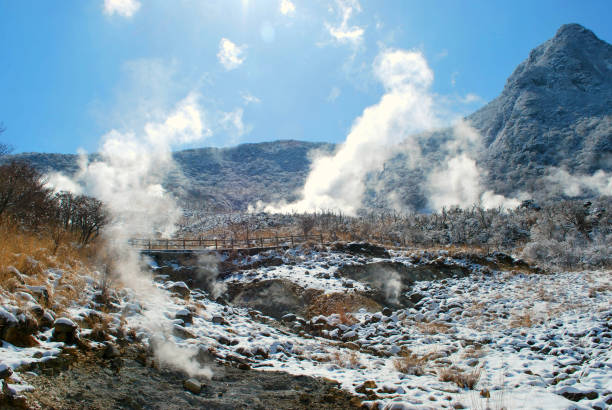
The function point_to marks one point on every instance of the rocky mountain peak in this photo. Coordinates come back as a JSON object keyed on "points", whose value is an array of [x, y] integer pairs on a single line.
{"points": [[573, 60], [554, 111]]}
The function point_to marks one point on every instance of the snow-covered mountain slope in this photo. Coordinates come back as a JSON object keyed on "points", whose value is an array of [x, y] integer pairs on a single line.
{"points": [[555, 110]]}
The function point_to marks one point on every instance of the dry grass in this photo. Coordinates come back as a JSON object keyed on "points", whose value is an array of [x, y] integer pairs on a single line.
{"points": [[524, 319], [25, 257], [342, 304], [463, 379], [432, 328], [545, 295], [348, 360], [599, 289], [412, 363], [473, 352]]}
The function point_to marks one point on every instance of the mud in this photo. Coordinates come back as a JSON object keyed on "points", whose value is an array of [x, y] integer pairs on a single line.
{"points": [[125, 383], [274, 298]]}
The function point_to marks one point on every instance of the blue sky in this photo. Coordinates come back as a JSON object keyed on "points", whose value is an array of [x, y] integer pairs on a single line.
{"points": [[73, 70]]}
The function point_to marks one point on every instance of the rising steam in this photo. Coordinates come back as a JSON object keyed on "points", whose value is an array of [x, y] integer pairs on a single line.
{"points": [[127, 177], [404, 112], [337, 181]]}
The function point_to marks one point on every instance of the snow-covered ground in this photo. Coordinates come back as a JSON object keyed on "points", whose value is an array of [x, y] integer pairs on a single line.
{"points": [[531, 341]]}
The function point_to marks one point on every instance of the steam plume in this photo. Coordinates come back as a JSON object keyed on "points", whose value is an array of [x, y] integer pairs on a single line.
{"points": [[336, 181], [404, 112], [127, 178]]}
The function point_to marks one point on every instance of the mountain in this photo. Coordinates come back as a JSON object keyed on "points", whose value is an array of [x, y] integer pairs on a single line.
{"points": [[555, 111], [218, 178]]}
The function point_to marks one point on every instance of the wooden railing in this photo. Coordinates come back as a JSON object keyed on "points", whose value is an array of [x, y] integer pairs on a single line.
{"points": [[223, 244]]}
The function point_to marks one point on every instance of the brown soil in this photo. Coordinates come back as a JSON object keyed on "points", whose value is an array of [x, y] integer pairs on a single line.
{"points": [[125, 383]]}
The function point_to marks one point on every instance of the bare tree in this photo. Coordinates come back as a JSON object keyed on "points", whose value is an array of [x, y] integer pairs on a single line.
{"points": [[4, 148]]}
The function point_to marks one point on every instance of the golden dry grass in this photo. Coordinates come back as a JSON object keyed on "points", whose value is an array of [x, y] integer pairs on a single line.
{"points": [[342, 304], [25, 257], [524, 319], [463, 379], [432, 328], [412, 363]]}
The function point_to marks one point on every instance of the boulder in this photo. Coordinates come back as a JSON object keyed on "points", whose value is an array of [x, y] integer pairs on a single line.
{"points": [[185, 315], [65, 330], [193, 386], [180, 288]]}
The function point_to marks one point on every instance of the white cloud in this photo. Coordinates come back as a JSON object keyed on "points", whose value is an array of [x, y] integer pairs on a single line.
{"points": [[230, 55], [441, 55], [287, 8], [333, 94], [342, 33], [470, 98], [454, 76], [250, 99], [124, 8]]}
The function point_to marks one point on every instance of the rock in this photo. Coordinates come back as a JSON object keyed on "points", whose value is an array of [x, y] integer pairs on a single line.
{"points": [[180, 288], [64, 330], [219, 320], [18, 330], [289, 317], [387, 312], [47, 319], [185, 315], [111, 351], [5, 371], [180, 331], [367, 385], [193, 386], [416, 297], [40, 292], [366, 249]]}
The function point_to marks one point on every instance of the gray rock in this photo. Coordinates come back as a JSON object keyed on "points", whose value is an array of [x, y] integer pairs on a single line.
{"points": [[193, 386]]}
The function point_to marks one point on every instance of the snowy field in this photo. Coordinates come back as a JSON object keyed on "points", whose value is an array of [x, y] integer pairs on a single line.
{"points": [[493, 339]]}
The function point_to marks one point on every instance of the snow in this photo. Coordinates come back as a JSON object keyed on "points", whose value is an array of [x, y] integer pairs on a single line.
{"points": [[564, 348], [65, 321], [535, 339]]}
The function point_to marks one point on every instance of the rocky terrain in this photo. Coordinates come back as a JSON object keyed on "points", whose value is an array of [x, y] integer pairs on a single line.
{"points": [[554, 112], [354, 324]]}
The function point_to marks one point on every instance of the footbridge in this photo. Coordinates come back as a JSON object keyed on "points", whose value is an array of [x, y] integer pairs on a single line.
{"points": [[191, 245]]}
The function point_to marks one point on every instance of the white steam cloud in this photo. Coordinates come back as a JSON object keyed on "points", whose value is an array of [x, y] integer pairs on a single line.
{"points": [[458, 180], [127, 177], [576, 185], [404, 112], [337, 181]]}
